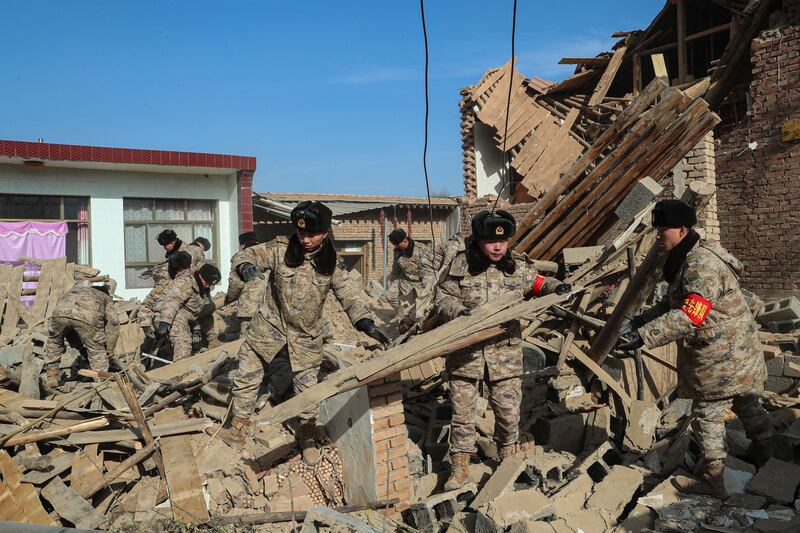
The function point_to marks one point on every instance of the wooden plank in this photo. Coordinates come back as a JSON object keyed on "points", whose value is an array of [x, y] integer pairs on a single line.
{"points": [[660, 66], [87, 468], [538, 177], [573, 82], [148, 493], [27, 498], [71, 506], [118, 470], [185, 366], [608, 76], [5, 278], [36, 436], [683, 63], [56, 285], [141, 421], [600, 61], [115, 435], [183, 479], [9, 510], [15, 298], [535, 146], [39, 307]]}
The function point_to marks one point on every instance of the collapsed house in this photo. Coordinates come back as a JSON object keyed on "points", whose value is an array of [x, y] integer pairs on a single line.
{"points": [[605, 429]]}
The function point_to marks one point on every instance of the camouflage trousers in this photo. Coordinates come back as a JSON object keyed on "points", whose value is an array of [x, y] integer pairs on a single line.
{"points": [[504, 397], [248, 377], [709, 422], [93, 340], [147, 310], [180, 335]]}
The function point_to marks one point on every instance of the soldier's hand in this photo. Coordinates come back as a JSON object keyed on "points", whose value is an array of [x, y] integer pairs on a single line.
{"points": [[249, 272], [632, 341], [465, 312], [629, 327], [163, 329], [564, 288], [367, 326]]}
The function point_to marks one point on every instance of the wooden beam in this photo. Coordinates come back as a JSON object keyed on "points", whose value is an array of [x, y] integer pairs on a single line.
{"points": [[141, 421], [709, 31], [683, 64], [608, 76], [120, 469], [595, 61], [660, 66], [658, 49]]}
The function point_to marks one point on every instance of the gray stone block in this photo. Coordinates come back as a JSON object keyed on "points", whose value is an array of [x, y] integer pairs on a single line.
{"points": [[640, 197], [780, 311]]}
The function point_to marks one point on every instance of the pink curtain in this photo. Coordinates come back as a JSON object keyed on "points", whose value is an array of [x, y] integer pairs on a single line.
{"points": [[40, 240]]}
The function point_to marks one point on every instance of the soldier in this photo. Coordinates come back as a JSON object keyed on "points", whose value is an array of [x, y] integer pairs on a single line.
{"points": [[161, 277], [247, 295], [410, 278], [288, 322], [487, 271], [86, 315], [720, 364], [185, 301]]}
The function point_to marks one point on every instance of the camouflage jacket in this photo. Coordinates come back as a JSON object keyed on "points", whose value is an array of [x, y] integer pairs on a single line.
{"points": [[182, 293], [249, 294], [414, 271], [197, 253], [161, 277], [501, 356], [290, 311], [705, 312], [91, 306]]}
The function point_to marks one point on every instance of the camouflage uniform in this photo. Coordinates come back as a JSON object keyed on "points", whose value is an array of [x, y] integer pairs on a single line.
{"points": [[161, 280], [720, 363], [247, 295], [497, 362], [411, 277], [289, 320], [182, 303], [90, 313]]}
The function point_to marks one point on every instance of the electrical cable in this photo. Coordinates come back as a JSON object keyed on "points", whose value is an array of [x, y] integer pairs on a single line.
{"points": [[506, 163], [427, 109]]}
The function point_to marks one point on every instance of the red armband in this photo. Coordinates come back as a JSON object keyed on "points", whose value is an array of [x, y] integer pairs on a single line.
{"points": [[538, 282], [696, 308]]}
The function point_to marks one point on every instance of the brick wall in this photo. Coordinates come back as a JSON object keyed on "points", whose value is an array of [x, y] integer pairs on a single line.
{"points": [[698, 165], [390, 438], [759, 188], [468, 143], [245, 182]]}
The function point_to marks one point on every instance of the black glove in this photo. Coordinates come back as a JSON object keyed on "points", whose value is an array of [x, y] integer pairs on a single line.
{"points": [[564, 288], [148, 332], [366, 325], [163, 328], [633, 324], [249, 272], [465, 312], [632, 341]]}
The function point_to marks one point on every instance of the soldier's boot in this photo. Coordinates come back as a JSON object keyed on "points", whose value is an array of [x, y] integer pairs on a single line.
{"points": [[236, 434], [459, 473], [709, 482], [761, 450], [52, 375], [506, 450], [307, 440]]}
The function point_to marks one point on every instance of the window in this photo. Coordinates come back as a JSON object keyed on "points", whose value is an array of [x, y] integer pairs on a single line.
{"points": [[74, 210], [145, 218]]}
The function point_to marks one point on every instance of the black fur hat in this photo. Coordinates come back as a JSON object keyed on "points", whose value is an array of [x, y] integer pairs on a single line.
{"points": [[167, 236], [210, 274], [312, 216], [499, 225], [248, 237], [202, 241], [673, 214]]}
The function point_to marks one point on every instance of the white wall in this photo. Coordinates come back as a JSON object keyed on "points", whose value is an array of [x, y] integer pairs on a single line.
{"points": [[107, 188], [488, 162]]}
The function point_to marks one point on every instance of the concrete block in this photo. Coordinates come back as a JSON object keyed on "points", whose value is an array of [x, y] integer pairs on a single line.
{"points": [[615, 492], [791, 366], [532, 526], [550, 467], [640, 197], [780, 311], [510, 508], [737, 475], [784, 326], [591, 521], [575, 257], [598, 428], [563, 433], [641, 426], [779, 384], [777, 480], [501, 481], [573, 496], [431, 513], [775, 366]]}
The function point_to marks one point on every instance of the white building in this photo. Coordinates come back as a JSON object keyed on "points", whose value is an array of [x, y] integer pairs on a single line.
{"points": [[116, 200]]}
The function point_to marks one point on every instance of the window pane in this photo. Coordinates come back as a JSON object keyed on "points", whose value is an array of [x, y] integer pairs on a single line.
{"points": [[30, 207], [136, 243], [76, 208], [78, 242], [199, 210], [134, 279], [207, 231], [170, 209], [155, 251], [137, 209]]}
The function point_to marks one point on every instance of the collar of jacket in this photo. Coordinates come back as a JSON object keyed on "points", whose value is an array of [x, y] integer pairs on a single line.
{"points": [[678, 255], [323, 259]]}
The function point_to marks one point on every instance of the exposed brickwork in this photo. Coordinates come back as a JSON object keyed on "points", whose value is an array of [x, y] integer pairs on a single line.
{"points": [[468, 143], [390, 438], [471, 206], [759, 189], [698, 165], [245, 181]]}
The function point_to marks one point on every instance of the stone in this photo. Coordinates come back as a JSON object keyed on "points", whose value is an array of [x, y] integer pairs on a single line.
{"points": [[532, 526], [575, 257], [686, 514], [643, 192], [424, 486], [780, 310], [573, 496], [777, 480], [591, 521], [271, 485], [775, 366], [640, 430], [479, 473], [746, 501], [512, 507], [503, 479], [598, 427], [301, 503], [777, 525], [462, 523], [641, 518], [562, 433], [737, 475], [617, 489]]}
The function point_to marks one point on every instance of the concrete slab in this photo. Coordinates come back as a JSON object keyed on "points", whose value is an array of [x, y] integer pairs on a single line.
{"points": [[512, 507], [737, 475], [615, 491], [573, 496], [777, 480], [502, 480]]}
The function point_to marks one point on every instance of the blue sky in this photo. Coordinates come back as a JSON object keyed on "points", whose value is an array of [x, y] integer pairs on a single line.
{"points": [[327, 95]]}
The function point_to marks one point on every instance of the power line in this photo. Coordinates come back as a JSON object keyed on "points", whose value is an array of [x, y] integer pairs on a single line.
{"points": [[427, 109], [506, 166]]}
